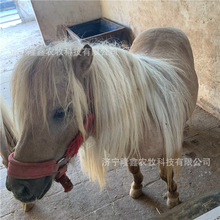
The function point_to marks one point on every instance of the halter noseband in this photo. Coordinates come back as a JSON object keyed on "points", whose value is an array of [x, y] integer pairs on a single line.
{"points": [[20, 170]]}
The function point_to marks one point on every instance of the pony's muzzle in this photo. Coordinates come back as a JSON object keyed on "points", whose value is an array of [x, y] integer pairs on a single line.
{"points": [[28, 190]]}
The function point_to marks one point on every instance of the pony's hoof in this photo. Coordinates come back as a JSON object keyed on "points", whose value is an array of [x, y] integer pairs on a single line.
{"points": [[135, 193], [173, 200], [27, 206], [171, 203]]}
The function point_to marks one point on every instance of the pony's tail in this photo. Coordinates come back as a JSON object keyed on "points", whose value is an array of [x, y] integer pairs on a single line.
{"points": [[8, 131]]}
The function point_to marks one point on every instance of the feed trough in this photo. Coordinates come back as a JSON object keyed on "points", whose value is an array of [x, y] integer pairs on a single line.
{"points": [[98, 30]]}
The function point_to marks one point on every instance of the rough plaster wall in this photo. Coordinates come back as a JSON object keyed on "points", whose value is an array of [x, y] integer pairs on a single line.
{"points": [[52, 16], [200, 20], [25, 10]]}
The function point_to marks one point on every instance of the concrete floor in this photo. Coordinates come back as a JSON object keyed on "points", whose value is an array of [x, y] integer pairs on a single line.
{"points": [[86, 201]]}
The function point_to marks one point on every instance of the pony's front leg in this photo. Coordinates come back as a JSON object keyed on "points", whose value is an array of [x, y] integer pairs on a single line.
{"points": [[136, 186], [172, 194]]}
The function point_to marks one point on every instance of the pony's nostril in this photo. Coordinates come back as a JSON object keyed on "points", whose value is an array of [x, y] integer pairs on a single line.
{"points": [[22, 191]]}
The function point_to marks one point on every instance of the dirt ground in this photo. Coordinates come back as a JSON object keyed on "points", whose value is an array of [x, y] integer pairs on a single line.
{"points": [[199, 174]]}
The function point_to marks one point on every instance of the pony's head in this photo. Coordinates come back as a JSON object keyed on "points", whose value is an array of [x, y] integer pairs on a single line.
{"points": [[51, 101]]}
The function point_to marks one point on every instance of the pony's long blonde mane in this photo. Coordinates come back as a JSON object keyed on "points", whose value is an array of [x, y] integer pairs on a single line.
{"points": [[8, 131], [127, 92]]}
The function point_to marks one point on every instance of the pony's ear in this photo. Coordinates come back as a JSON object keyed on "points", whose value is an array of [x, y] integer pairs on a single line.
{"points": [[84, 59]]}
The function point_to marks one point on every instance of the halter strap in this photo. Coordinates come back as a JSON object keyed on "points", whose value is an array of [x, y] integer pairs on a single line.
{"points": [[20, 170]]}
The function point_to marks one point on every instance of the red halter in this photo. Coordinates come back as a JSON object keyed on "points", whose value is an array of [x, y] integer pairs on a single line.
{"points": [[22, 170]]}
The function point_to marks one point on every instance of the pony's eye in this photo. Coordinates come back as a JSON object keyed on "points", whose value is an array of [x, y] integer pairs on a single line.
{"points": [[59, 114]]}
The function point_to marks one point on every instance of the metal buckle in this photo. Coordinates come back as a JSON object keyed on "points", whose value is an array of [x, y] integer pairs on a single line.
{"points": [[61, 160]]}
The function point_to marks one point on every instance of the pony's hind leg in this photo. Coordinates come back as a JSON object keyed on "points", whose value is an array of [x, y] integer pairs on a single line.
{"points": [[166, 174], [136, 186]]}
